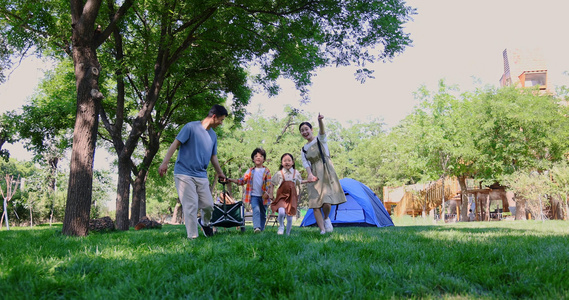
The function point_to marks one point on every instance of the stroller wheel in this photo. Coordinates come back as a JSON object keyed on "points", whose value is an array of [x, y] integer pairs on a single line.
{"points": [[242, 228]]}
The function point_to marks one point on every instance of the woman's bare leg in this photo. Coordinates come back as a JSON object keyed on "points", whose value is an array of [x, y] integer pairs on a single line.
{"points": [[319, 219], [326, 209]]}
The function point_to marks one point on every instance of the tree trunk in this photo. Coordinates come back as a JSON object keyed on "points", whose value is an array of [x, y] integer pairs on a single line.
{"points": [[540, 217], [443, 217], [123, 193], [143, 202], [487, 207], [52, 185], [79, 192], [520, 208], [87, 68], [464, 199], [125, 150], [556, 208], [138, 209], [566, 209], [5, 215], [138, 196], [478, 207], [86, 37], [52, 162], [177, 214]]}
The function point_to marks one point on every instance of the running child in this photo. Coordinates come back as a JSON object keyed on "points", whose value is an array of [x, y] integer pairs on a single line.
{"points": [[257, 192], [288, 181]]}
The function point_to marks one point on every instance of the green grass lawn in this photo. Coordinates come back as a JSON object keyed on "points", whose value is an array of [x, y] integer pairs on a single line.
{"points": [[414, 259]]}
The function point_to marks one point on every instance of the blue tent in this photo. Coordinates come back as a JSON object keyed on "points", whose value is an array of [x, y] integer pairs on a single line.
{"points": [[363, 208]]}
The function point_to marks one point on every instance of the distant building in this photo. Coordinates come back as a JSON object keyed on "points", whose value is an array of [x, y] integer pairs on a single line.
{"points": [[525, 68]]}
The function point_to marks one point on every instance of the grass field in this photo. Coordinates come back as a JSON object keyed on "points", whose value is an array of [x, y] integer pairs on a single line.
{"points": [[414, 259]]}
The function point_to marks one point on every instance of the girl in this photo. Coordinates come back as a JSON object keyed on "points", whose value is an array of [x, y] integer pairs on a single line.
{"points": [[288, 181], [324, 189]]}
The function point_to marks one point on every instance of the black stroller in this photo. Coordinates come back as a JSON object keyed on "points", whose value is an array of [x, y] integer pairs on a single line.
{"points": [[228, 215]]}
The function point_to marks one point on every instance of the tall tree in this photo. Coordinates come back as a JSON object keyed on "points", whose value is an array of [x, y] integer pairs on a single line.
{"points": [[434, 132], [445, 135], [72, 28], [515, 130], [86, 37], [486, 134]]}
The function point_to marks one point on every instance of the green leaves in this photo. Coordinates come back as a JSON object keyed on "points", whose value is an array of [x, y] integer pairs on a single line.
{"points": [[487, 134], [518, 130]]}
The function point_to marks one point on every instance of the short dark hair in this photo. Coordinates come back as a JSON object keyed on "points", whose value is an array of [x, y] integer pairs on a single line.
{"points": [[217, 110], [260, 151], [304, 123], [291, 157]]}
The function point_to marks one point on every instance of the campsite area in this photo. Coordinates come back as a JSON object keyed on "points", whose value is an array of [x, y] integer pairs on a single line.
{"points": [[413, 259]]}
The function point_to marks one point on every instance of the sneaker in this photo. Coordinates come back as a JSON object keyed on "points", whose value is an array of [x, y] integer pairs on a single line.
{"points": [[328, 225], [207, 231], [322, 232], [280, 231], [257, 230]]}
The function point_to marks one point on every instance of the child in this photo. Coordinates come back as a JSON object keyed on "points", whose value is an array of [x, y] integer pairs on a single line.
{"points": [[258, 179], [471, 216], [288, 181]]}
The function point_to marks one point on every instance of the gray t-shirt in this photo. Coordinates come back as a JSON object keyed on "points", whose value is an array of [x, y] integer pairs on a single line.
{"points": [[195, 152]]}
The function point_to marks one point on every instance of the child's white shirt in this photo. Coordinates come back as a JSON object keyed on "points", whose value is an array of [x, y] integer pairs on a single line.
{"points": [[258, 182]]}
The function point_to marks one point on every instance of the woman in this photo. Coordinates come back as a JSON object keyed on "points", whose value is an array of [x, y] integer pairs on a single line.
{"points": [[324, 189]]}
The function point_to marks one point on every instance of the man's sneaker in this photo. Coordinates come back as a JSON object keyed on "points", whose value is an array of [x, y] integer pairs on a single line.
{"points": [[280, 231], [207, 230], [257, 230], [328, 225]]}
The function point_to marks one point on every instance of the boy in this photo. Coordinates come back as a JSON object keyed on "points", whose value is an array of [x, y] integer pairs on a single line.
{"points": [[257, 179]]}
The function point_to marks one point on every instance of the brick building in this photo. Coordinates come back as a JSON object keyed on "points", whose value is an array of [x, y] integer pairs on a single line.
{"points": [[525, 68]]}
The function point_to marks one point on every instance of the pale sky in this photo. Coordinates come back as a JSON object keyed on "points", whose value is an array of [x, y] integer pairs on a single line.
{"points": [[452, 39]]}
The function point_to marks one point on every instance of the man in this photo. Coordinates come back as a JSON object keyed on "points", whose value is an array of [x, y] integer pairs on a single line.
{"points": [[197, 143]]}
